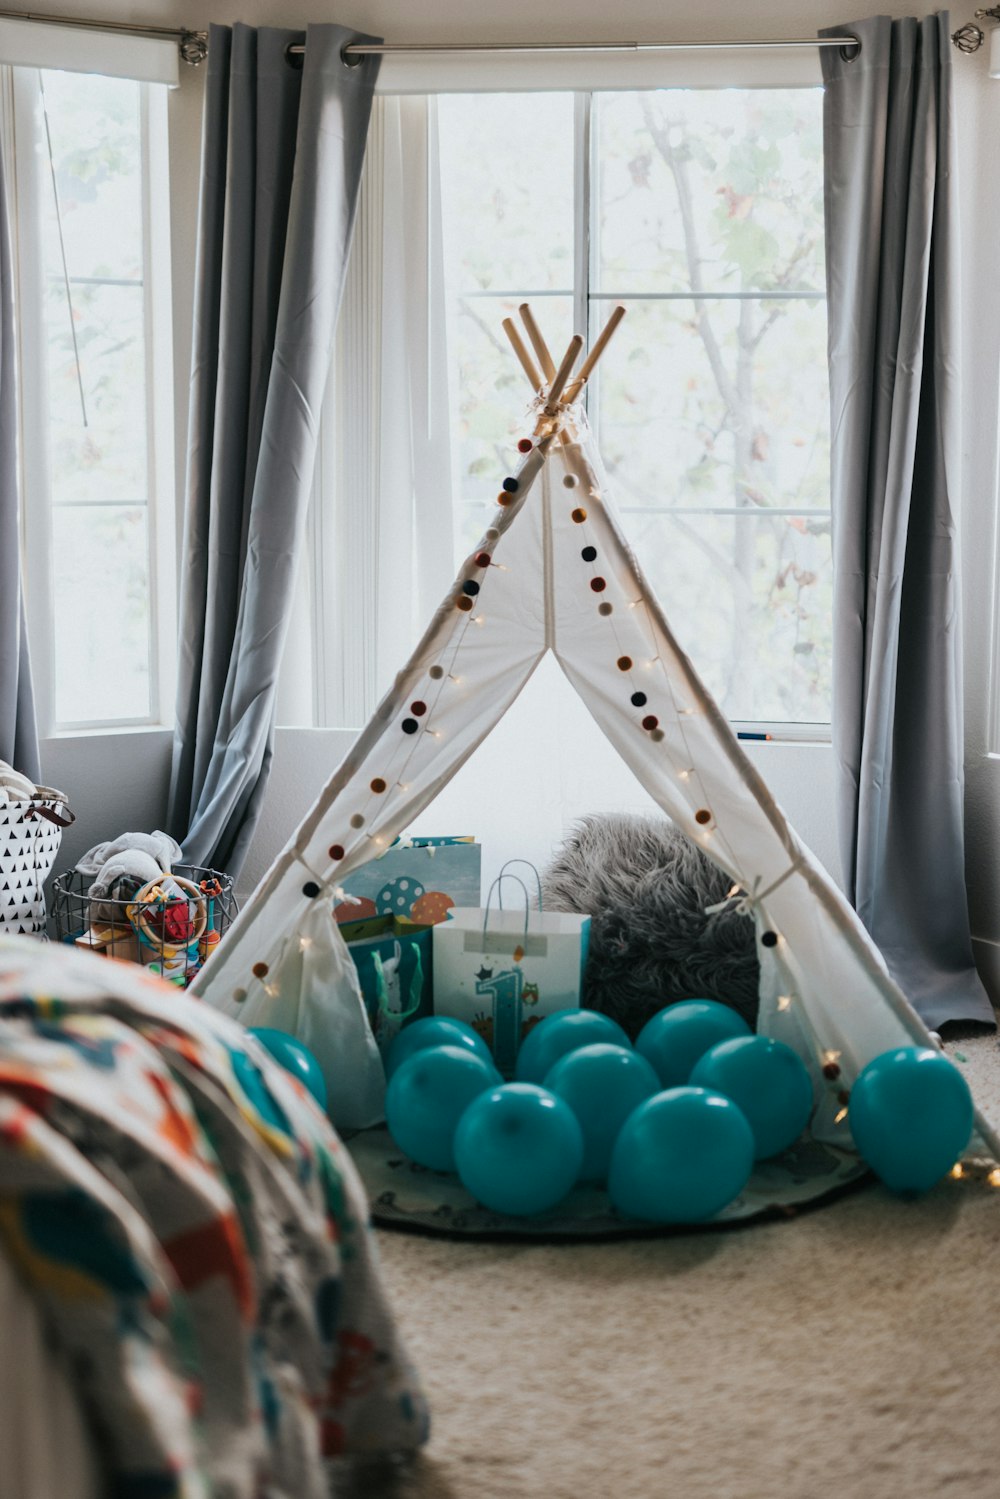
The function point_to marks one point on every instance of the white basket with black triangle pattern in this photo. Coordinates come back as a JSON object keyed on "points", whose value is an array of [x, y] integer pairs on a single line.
{"points": [[30, 835]]}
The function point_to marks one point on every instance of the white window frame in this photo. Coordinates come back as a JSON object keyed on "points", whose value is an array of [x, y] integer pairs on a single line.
{"points": [[337, 687], [23, 181]]}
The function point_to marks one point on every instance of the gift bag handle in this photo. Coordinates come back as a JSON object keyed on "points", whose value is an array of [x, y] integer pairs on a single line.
{"points": [[497, 883], [538, 878]]}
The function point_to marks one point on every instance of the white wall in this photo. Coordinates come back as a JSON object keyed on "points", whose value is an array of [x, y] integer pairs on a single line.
{"points": [[800, 775]]}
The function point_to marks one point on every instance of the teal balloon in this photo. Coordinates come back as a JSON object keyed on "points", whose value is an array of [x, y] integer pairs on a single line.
{"points": [[681, 1157], [768, 1081], [911, 1115], [602, 1085], [295, 1058], [674, 1039], [518, 1149], [427, 1096], [560, 1032], [435, 1030]]}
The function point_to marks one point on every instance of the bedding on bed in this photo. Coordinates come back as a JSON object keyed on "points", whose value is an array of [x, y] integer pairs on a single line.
{"points": [[195, 1236]]}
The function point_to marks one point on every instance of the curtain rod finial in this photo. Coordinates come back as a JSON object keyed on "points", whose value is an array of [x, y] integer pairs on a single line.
{"points": [[194, 47]]}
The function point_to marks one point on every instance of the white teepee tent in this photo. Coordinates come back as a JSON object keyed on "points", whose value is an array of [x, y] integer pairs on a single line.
{"points": [[554, 572]]}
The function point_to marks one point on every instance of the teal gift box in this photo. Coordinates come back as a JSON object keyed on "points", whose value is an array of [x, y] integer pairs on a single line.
{"points": [[416, 879], [394, 962]]}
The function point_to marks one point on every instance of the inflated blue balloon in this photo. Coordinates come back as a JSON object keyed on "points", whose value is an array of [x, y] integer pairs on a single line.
{"points": [[427, 1096], [911, 1116], [681, 1157], [602, 1085], [560, 1032], [767, 1081], [518, 1149], [435, 1030], [295, 1058], [675, 1038]]}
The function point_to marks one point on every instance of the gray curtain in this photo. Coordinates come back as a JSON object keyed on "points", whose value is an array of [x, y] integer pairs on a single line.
{"points": [[18, 737], [282, 152], [892, 267]]}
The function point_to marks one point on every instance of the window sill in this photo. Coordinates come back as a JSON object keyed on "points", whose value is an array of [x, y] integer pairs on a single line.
{"points": [[105, 731]]}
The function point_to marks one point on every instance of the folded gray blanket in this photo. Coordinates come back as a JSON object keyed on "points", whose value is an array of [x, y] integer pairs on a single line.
{"points": [[159, 847], [123, 865]]}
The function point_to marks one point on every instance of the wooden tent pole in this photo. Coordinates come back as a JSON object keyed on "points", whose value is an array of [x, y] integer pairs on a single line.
{"points": [[538, 343], [600, 344], [562, 374], [524, 358]]}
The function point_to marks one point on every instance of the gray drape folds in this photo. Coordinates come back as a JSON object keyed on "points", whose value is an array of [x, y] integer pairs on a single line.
{"points": [[18, 736], [891, 233], [281, 164]]}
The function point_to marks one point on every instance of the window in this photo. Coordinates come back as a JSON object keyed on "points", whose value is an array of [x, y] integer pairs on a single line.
{"points": [[702, 210], [90, 222]]}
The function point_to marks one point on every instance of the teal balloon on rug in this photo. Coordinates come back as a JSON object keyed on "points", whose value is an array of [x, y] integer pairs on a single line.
{"points": [[768, 1081], [681, 1157], [427, 1096], [295, 1058], [560, 1032], [911, 1115], [434, 1030], [602, 1085], [673, 1040], [518, 1149]]}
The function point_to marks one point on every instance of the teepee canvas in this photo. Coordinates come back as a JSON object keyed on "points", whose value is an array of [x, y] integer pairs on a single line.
{"points": [[553, 572]]}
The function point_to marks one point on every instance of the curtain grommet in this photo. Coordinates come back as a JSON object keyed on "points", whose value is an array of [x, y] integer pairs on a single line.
{"points": [[850, 53]]}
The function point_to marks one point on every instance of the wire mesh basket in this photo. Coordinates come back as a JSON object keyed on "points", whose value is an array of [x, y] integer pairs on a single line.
{"points": [[172, 925]]}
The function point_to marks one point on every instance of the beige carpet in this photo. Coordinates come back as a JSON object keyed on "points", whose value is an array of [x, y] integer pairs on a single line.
{"points": [[853, 1351]]}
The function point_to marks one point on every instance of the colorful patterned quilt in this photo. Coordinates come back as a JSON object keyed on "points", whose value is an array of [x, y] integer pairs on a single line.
{"points": [[195, 1235]]}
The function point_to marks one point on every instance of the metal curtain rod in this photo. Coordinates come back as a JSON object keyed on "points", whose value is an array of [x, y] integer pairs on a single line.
{"points": [[193, 45], [355, 51]]}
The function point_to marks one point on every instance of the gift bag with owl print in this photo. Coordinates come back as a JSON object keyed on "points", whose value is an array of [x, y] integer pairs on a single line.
{"points": [[503, 970]]}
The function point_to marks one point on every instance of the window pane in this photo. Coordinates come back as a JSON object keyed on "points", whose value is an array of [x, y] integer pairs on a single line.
{"points": [[720, 405], [89, 154], [717, 188], [749, 598], [489, 393], [507, 191], [104, 459], [100, 575], [507, 226]]}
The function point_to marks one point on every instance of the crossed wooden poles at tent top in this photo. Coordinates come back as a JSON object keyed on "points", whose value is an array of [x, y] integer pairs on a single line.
{"points": [[559, 393]]}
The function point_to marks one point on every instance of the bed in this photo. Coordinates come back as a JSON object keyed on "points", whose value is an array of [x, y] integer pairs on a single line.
{"points": [[190, 1299]]}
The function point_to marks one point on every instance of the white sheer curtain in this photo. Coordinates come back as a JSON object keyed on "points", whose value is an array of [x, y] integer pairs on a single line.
{"points": [[383, 525]]}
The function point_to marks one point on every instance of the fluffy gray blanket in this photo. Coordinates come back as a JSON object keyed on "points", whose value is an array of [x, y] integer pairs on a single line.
{"points": [[646, 889]]}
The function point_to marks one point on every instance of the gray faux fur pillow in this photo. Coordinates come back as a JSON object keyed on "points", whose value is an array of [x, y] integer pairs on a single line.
{"points": [[646, 889]]}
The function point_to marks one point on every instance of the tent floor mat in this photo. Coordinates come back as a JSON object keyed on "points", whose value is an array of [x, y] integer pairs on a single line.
{"points": [[415, 1199]]}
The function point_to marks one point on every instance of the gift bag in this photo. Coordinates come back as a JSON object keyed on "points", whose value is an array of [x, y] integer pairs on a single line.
{"points": [[502, 971], [420, 879], [394, 963], [31, 830], [311, 992]]}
